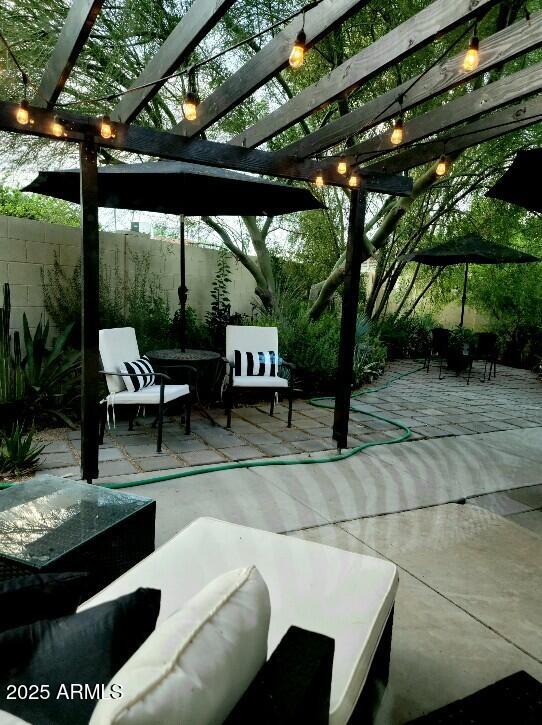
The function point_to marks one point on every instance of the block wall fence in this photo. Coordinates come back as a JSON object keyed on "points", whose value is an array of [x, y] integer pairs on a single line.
{"points": [[28, 246]]}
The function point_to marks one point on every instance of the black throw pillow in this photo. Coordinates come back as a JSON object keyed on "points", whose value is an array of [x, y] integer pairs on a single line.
{"points": [[27, 599], [54, 671]]}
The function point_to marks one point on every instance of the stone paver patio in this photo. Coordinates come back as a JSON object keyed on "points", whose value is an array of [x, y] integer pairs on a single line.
{"points": [[467, 611]]}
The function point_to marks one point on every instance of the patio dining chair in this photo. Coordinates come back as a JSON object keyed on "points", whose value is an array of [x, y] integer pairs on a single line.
{"points": [[486, 350], [438, 348], [253, 362], [132, 381]]}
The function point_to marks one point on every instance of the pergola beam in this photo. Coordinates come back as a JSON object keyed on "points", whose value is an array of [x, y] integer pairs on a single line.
{"points": [[485, 129], [465, 108], [151, 142], [267, 62], [73, 36], [195, 24], [414, 33], [517, 39]]}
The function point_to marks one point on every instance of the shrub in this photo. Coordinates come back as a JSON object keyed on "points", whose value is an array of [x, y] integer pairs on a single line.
{"points": [[18, 453], [406, 338]]}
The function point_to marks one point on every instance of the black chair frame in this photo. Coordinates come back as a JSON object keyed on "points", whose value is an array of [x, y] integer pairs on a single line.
{"points": [[229, 401], [159, 422]]}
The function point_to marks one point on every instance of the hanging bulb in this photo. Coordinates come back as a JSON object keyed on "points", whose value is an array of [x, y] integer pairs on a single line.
{"points": [[353, 181], [58, 128], [319, 181], [190, 106], [398, 133], [472, 58], [297, 56], [442, 166], [106, 131], [23, 115], [342, 167]]}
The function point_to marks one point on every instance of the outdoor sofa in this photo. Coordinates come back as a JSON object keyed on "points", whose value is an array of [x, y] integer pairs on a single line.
{"points": [[329, 635]]}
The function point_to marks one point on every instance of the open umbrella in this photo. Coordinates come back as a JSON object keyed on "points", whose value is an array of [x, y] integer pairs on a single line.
{"points": [[521, 183], [470, 249], [176, 187]]}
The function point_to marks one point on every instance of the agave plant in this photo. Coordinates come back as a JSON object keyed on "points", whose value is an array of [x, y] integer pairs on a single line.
{"points": [[12, 380], [19, 455], [52, 375]]}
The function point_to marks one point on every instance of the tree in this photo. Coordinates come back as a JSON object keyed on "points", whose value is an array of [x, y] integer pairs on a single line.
{"points": [[32, 206]]}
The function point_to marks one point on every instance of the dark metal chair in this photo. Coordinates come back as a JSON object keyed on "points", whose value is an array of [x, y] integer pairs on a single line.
{"points": [[438, 348], [486, 350]]}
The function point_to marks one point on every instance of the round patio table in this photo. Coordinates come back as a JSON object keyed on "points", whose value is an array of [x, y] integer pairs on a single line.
{"points": [[196, 358]]}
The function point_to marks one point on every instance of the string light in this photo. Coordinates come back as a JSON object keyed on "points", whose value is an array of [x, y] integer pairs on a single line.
{"points": [[191, 99], [353, 181], [23, 114], [398, 133], [297, 56], [472, 58], [106, 130], [58, 128], [319, 181], [442, 166], [342, 166]]}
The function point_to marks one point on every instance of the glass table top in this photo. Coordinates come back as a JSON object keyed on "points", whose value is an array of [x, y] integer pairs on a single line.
{"points": [[45, 518]]}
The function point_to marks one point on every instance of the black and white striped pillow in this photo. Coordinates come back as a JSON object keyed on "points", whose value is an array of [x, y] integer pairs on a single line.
{"points": [[255, 363], [144, 371]]}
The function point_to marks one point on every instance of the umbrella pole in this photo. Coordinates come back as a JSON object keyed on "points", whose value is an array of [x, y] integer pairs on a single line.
{"points": [[183, 291], [464, 300]]}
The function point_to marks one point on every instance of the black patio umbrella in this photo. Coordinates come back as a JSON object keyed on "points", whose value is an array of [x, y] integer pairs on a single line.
{"points": [[176, 187], [470, 249], [520, 185]]}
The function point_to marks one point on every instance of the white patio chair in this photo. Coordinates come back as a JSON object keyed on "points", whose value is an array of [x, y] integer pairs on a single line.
{"points": [[119, 345], [263, 375]]}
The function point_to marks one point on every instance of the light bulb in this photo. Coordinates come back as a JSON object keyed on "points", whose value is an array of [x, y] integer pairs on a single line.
{"points": [[23, 115], [342, 167], [297, 56], [58, 128], [319, 181], [442, 166], [398, 132], [190, 106], [106, 130], [353, 181], [472, 58]]}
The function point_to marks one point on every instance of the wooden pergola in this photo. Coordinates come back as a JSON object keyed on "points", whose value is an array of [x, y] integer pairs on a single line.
{"points": [[298, 161]]}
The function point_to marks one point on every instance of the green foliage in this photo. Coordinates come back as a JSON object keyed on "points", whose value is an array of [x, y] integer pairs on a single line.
{"points": [[33, 206], [197, 332], [19, 455], [219, 316], [406, 338], [461, 345], [139, 301], [313, 345]]}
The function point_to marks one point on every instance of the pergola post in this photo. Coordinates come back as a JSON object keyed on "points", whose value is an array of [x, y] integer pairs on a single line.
{"points": [[90, 244], [354, 258]]}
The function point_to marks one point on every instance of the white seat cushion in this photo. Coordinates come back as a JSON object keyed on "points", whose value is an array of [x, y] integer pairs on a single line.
{"points": [[148, 396], [343, 595], [196, 665], [259, 381], [116, 345]]}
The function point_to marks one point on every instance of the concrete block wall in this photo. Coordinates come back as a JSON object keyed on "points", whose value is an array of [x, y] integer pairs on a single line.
{"points": [[28, 246]]}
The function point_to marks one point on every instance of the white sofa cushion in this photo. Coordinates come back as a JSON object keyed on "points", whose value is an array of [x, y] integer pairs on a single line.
{"points": [[197, 664], [338, 593], [259, 381]]}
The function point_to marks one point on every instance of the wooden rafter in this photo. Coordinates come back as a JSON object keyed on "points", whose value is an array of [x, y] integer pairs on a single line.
{"points": [[472, 134], [508, 89], [417, 31], [267, 62], [195, 24], [79, 22], [165, 145], [519, 38]]}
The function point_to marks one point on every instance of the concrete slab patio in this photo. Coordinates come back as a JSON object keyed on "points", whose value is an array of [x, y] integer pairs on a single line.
{"points": [[457, 507]]}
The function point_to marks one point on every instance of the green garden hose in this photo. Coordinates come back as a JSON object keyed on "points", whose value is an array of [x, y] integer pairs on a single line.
{"points": [[325, 402]]}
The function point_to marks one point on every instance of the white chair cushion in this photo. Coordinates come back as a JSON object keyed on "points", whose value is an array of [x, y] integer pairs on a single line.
{"points": [[148, 396], [343, 595], [250, 337], [196, 665], [117, 344], [259, 381]]}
